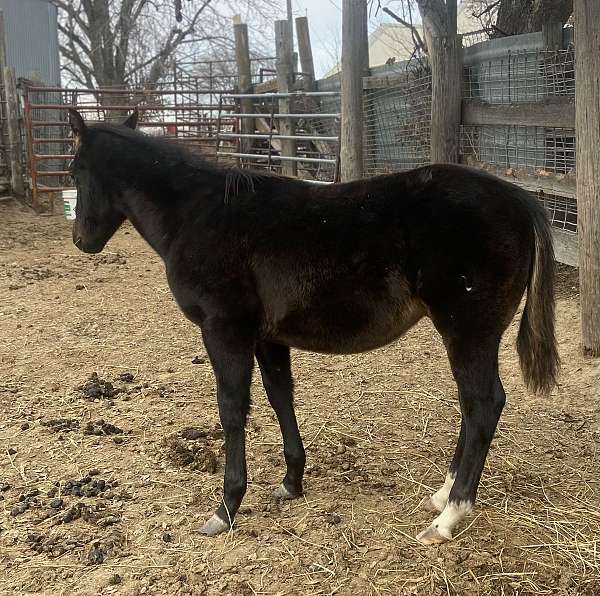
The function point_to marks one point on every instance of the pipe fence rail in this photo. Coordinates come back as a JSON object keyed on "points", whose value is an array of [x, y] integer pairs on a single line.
{"points": [[517, 121], [315, 139]]}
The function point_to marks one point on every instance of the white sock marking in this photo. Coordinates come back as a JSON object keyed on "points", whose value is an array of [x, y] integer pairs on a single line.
{"points": [[448, 519], [440, 497]]}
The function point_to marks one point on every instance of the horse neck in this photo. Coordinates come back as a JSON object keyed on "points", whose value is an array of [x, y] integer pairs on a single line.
{"points": [[151, 219], [158, 212]]}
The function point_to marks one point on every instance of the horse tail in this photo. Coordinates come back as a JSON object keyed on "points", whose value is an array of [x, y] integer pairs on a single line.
{"points": [[536, 342]]}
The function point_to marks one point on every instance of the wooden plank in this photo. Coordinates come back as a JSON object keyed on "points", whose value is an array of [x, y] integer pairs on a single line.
{"points": [[14, 137], [355, 64], [285, 79], [269, 86], [552, 35], [587, 83], [307, 65], [13, 147], [565, 247], [551, 184], [554, 112], [385, 81], [242, 58]]}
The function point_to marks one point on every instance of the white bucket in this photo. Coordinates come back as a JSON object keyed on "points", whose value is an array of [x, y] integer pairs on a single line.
{"points": [[69, 203]]}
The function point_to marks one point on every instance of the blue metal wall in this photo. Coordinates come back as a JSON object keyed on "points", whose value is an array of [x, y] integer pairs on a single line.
{"points": [[32, 39]]}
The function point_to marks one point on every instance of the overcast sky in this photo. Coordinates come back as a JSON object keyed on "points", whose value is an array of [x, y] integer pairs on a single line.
{"points": [[325, 23]]}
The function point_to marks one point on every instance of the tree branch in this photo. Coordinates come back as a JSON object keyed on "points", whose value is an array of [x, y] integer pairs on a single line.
{"points": [[74, 14], [415, 33], [488, 9], [72, 36], [174, 40]]}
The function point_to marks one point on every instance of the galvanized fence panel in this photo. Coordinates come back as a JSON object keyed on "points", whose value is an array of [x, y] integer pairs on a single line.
{"points": [[316, 135], [541, 159], [398, 122]]}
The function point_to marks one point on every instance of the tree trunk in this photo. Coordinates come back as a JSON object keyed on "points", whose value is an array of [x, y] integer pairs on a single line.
{"points": [[444, 47], [445, 56], [587, 122], [524, 16]]}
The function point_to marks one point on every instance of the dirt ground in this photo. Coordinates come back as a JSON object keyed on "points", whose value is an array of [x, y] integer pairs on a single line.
{"points": [[103, 480]]}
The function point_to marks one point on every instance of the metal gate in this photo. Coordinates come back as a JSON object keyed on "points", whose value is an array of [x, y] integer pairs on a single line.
{"points": [[204, 119], [187, 114]]}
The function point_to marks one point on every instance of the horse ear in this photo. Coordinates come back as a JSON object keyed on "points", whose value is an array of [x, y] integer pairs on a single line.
{"points": [[132, 120], [77, 123]]}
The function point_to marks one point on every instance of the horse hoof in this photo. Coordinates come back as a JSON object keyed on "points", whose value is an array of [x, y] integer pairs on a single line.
{"points": [[432, 505], [284, 494], [214, 526], [434, 536]]}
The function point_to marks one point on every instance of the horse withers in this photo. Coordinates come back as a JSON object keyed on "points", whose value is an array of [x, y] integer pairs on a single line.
{"points": [[264, 263]]}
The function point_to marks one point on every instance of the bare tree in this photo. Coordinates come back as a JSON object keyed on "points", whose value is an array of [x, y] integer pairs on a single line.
{"points": [[512, 17], [133, 42]]}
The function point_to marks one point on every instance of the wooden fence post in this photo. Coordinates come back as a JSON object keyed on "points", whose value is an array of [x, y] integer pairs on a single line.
{"points": [[587, 131], [285, 80], [13, 152], [307, 65], [552, 35], [355, 65], [242, 57], [445, 56], [14, 136]]}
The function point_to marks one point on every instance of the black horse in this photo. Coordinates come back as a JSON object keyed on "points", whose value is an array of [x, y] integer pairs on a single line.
{"points": [[262, 263]]}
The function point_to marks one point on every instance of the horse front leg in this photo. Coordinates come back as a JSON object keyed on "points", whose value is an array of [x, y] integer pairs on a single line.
{"points": [[232, 359], [275, 367]]}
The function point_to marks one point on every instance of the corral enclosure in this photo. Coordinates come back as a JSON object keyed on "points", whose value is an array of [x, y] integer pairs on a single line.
{"points": [[104, 478], [517, 121], [379, 427]]}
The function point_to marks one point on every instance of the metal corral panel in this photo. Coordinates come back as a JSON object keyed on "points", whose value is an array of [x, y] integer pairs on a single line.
{"points": [[32, 39]]}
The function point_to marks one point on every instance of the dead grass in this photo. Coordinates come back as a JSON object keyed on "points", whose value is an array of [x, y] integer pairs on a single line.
{"points": [[380, 429]]}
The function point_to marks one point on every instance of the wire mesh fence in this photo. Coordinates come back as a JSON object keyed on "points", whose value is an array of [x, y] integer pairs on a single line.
{"points": [[542, 151], [398, 122], [561, 210], [540, 159], [521, 76]]}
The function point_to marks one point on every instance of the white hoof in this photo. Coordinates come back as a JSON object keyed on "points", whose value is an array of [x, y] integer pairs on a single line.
{"points": [[214, 526], [282, 493], [443, 525], [434, 536]]}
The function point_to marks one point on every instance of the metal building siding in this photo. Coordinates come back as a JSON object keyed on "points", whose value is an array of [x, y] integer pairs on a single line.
{"points": [[32, 39]]}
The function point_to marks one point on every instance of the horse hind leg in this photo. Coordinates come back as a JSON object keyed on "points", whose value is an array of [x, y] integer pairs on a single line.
{"points": [[437, 501], [475, 368]]}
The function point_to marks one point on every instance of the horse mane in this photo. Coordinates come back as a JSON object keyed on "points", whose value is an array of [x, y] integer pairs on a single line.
{"points": [[236, 180]]}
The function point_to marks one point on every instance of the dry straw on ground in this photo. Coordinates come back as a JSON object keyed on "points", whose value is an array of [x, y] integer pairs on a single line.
{"points": [[380, 429]]}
